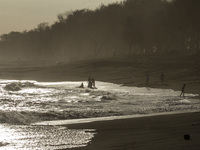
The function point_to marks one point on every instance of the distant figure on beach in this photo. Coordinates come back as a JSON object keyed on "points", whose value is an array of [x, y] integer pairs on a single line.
{"points": [[162, 78], [89, 79], [183, 90], [93, 82], [89, 82], [147, 79], [81, 86]]}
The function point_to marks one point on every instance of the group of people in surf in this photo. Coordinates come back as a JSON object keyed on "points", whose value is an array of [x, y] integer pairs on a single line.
{"points": [[91, 83]]}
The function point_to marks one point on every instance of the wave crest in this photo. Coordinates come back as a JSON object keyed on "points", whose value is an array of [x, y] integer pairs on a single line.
{"points": [[16, 86]]}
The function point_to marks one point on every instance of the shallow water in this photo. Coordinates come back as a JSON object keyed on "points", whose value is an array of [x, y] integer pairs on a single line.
{"points": [[22, 137], [65, 97], [62, 100]]}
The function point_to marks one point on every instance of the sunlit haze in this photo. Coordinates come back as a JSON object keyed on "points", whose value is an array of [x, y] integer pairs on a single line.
{"points": [[23, 15]]}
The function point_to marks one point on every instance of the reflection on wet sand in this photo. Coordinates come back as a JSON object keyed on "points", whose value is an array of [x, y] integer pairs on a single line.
{"points": [[42, 137]]}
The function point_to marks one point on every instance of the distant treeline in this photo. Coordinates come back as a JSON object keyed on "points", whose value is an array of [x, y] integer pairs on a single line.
{"points": [[129, 27]]}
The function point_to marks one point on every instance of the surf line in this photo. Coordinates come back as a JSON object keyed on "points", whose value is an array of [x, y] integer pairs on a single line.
{"points": [[89, 120]]}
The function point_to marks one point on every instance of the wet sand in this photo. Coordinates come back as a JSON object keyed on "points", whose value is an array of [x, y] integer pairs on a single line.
{"points": [[146, 133], [126, 71]]}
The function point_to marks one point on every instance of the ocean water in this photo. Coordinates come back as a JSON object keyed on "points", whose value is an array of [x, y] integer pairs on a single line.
{"points": [[22, 111]]}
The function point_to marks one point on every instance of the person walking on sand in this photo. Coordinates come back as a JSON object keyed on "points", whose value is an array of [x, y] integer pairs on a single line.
{"points": [[162, 78], [147, 79], [183, 90]]}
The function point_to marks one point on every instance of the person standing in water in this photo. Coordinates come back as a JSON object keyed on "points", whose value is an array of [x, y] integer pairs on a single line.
{"points": [[93, 82], [183, 90], [89, 82], [81, 86]]}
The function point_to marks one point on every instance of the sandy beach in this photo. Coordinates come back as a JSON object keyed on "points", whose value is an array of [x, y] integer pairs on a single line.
{"points": [[125, 71], [101, 75], [146, 133]]}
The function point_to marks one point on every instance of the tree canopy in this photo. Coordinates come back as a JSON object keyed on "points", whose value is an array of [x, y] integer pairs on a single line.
{"points": [[134, 27]]}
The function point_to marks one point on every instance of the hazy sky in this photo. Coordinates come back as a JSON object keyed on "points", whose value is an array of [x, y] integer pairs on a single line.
{"points": [[20, 15]]}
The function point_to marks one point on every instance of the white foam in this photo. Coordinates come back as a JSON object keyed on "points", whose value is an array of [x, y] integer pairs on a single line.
{"points": [[58, 97]]}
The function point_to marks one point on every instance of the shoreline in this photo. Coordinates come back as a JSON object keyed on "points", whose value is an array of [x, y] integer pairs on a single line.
{"points": [[145, 133], [80, 121], [121, 84], [172, 87], [125, 71]]}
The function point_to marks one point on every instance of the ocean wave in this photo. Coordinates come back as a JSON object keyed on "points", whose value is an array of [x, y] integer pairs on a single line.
{"points": [[16, 86], [25, 118], [62, 100]]}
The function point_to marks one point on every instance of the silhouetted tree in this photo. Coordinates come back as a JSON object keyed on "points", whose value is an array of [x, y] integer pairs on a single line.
{"points": [[156, 26]]}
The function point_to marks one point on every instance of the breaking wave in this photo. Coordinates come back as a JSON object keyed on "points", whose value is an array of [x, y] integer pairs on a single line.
{"points": [[41, 101]]}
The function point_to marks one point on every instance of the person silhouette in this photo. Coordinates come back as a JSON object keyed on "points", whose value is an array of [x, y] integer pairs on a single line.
{"points": [[89, 82], [81, 86], [183, 90], [93, 82]]}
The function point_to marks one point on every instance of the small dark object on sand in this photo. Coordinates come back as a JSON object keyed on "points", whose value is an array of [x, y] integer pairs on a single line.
{"points": [[186, 137]]}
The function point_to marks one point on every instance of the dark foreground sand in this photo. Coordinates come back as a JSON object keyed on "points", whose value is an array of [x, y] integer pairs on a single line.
{"points": [[164, 132]]}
